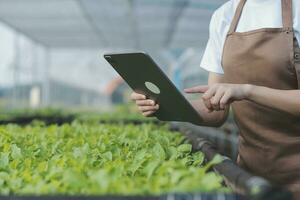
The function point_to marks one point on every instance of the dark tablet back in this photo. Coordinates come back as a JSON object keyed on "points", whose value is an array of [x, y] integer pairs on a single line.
{"points": [[145, 77]]}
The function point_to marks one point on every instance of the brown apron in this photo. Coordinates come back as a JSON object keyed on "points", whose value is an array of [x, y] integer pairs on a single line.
{"points": [[269, 144]]}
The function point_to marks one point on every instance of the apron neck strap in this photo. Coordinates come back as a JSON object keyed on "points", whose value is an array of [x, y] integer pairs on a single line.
{"points": [[237, 16], [287, 15]]}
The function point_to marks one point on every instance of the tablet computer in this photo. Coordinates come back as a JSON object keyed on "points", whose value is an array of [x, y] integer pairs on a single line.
{"points": [[144, 76]]}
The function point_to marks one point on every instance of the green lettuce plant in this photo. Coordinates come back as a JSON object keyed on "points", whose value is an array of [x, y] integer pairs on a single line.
{"points": [[93, 159]]}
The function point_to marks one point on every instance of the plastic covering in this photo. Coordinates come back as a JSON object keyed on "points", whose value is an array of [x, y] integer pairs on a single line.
{"points": [[55, 46]]}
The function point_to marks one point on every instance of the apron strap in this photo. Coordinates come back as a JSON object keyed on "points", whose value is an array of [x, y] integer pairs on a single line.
{"points": [[237, 17], [287, 14]]}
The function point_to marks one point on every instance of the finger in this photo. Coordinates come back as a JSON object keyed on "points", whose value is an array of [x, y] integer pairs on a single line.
{"points": [[215, 100], [148, 113], [209, 93], [197, 89], [208, 105], [225, 100], [145, 102], [136, 96], [148, 108]]}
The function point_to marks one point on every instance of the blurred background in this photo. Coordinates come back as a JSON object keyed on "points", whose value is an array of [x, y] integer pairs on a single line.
{"points": [[51, 51]]}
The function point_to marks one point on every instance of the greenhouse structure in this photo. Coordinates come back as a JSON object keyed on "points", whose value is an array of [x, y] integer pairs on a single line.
{"points": [[68, 126]]}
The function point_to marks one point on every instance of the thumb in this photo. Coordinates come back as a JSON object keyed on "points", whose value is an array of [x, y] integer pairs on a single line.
{"points": [[197, 89]]}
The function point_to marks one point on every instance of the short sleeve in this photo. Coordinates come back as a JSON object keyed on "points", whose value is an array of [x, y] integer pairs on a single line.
{"points": [[212, 57]]}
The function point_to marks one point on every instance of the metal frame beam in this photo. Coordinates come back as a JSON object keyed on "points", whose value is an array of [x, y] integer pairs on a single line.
{"points": [[134, 23], [19, 31], [101, 37], [178, 9], [90, 20]]}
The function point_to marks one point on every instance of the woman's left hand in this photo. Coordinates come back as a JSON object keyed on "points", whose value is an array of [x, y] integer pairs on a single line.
{"points": [[219, 96]]}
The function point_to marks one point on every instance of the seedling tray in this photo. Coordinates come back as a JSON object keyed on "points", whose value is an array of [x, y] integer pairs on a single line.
{"points": [[240, 180], [162, 197]]}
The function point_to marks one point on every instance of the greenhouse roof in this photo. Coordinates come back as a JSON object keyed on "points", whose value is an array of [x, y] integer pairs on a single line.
{"points": [[111, 23]]}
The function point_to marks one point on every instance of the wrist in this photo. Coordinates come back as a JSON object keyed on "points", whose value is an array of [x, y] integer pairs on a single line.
{"points": [[248, 89]]}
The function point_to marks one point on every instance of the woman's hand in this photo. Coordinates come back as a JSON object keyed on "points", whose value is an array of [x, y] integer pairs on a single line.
{"points": [[147, 106], [219, 96]]}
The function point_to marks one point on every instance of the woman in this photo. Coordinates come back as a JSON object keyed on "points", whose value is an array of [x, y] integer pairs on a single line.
{"points": [[258, 74]]}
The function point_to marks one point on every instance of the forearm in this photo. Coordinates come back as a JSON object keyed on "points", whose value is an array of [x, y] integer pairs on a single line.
{"points": [[214, 119], [282, 100]]}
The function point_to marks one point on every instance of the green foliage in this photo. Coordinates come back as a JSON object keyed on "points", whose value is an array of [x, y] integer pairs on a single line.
{"points": [[121, 114], [25, 113], [93, 159]]}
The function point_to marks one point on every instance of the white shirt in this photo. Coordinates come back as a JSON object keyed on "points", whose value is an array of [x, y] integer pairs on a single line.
{"points": [[256, 14]]}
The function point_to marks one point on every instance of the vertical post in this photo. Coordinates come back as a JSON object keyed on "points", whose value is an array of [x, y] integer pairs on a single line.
{"points": [[34, 63], [16, 69], [46, 77], [35, 90]]}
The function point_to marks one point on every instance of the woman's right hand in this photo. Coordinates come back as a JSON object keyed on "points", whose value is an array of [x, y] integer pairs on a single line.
{"points": [[147, 106]]}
